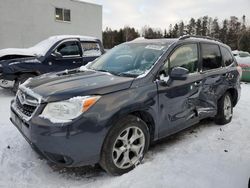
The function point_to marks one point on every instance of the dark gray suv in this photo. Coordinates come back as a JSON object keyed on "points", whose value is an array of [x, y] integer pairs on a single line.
{"points": [[111, 110]]}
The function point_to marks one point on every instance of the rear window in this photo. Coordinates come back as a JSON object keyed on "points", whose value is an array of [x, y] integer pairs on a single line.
{"points": [[211, 57], [227, 56], [91, 49]]}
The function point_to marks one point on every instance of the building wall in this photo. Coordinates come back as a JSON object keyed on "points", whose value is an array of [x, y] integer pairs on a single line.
{"points": [[23, 23]]}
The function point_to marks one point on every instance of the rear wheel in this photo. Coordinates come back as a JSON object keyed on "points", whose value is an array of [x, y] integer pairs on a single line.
{"points": [[225, 109], [125, 145], [21, 79]]}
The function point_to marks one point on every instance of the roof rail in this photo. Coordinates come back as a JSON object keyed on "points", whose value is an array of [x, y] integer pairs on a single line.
{"points": [[198, 36]]}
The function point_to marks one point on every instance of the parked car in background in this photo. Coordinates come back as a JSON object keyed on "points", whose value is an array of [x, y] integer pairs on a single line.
{"points": [[111, 110], [56, 53], [243, 58]]}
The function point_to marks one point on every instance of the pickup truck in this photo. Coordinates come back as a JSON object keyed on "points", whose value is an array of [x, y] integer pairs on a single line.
{"points": [[57, 53]]}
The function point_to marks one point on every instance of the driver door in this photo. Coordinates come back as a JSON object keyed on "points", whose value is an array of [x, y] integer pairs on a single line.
{"points": [[67, 55], [178, 99]]}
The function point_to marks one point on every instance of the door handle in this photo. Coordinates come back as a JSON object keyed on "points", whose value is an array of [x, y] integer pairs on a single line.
{"points": [[76, 62], [198, 83]]}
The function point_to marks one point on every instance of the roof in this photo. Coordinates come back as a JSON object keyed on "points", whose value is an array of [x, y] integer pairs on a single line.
{"points": [[84, 2], [162, 41], [80, 37], [168, 41]]}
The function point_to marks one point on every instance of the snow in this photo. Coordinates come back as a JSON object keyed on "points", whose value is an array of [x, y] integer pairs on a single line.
{"points": [[54, 120], [205, 156], [92, 52], [85, 67], [139, 39], [29, 91]]}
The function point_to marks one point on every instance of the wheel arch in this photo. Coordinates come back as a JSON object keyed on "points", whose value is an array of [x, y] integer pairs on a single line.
{"points": [[143, 114], [234, 94], [36, 73]]}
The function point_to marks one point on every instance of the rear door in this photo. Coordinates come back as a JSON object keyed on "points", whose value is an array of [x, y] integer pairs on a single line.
{"points": [[178, 99], [214, 75], [91, 50]]}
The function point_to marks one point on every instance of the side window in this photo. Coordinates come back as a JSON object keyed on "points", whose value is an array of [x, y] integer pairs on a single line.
{"points": [[211, 56], [227, 57], [69, 49], [185, 56], [91, 49]]}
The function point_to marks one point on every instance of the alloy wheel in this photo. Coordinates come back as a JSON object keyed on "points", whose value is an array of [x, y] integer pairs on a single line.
{"points": [[128, 148]]}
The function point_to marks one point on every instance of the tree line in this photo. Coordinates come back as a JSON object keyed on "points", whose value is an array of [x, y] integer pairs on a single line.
{"points": [[233, 32]]}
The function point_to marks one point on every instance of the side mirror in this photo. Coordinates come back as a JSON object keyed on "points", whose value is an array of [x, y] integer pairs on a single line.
{"points": [[179, 73], [164, 79], [56, 54]]}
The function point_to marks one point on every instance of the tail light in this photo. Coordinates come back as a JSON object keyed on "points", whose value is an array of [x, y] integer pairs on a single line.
{"points": [[239, 69]]}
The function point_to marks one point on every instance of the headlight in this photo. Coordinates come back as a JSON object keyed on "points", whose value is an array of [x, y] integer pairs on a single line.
{"points": [[66, 111]]}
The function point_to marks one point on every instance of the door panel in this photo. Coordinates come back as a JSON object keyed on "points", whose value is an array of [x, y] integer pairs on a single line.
{"points": [[68, 56], [178, 98], [213, 79], [177, 104]]}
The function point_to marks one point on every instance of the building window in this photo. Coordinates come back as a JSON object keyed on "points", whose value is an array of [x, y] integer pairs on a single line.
{"points": [[62, 14]]}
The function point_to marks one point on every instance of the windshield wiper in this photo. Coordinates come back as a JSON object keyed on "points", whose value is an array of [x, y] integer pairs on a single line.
{"points": [[103, 70], [127, 74], [118, 73]]}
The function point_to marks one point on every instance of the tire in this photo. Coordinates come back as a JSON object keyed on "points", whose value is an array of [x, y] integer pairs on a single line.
{"points": [[120, 152], [225, 109], [21, 79]]}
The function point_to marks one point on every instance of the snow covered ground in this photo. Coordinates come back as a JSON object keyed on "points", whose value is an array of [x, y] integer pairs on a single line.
{"points": [[202, 157]]}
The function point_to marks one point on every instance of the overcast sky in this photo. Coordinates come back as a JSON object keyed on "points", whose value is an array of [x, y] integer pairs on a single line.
{"points": [[161, 13]]}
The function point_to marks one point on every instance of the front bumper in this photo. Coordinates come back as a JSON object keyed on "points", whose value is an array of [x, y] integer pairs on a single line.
{"points": [[76, 144]]}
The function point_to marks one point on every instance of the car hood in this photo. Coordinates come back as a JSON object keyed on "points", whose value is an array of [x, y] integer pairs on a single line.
{"points": [[17, 51], [17, 61], [64, 85]]}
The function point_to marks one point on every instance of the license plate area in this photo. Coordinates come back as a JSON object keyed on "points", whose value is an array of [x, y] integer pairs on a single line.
{"points": [[23, 127]]}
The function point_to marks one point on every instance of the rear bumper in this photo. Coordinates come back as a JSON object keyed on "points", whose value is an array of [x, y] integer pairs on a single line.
{"points": [[68, 145], [6, 83], [245, 74]]}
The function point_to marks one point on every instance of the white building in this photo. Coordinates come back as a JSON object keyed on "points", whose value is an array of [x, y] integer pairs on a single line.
{"points": [[24, 23]]}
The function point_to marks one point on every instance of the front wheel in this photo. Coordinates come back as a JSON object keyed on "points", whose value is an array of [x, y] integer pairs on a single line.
{"points": [[225, 109], [125, 145], [21, 79]]}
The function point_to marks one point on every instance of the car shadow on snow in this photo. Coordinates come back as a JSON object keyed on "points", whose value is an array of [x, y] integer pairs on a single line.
{"points": [[78, 173], [193, 131]]}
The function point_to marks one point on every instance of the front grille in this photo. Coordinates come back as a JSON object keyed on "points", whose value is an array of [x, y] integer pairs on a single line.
{"points": [[24, 107]]}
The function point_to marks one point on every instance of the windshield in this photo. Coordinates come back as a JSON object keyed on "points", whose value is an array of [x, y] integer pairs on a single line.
{"points": [[129, 59]]}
